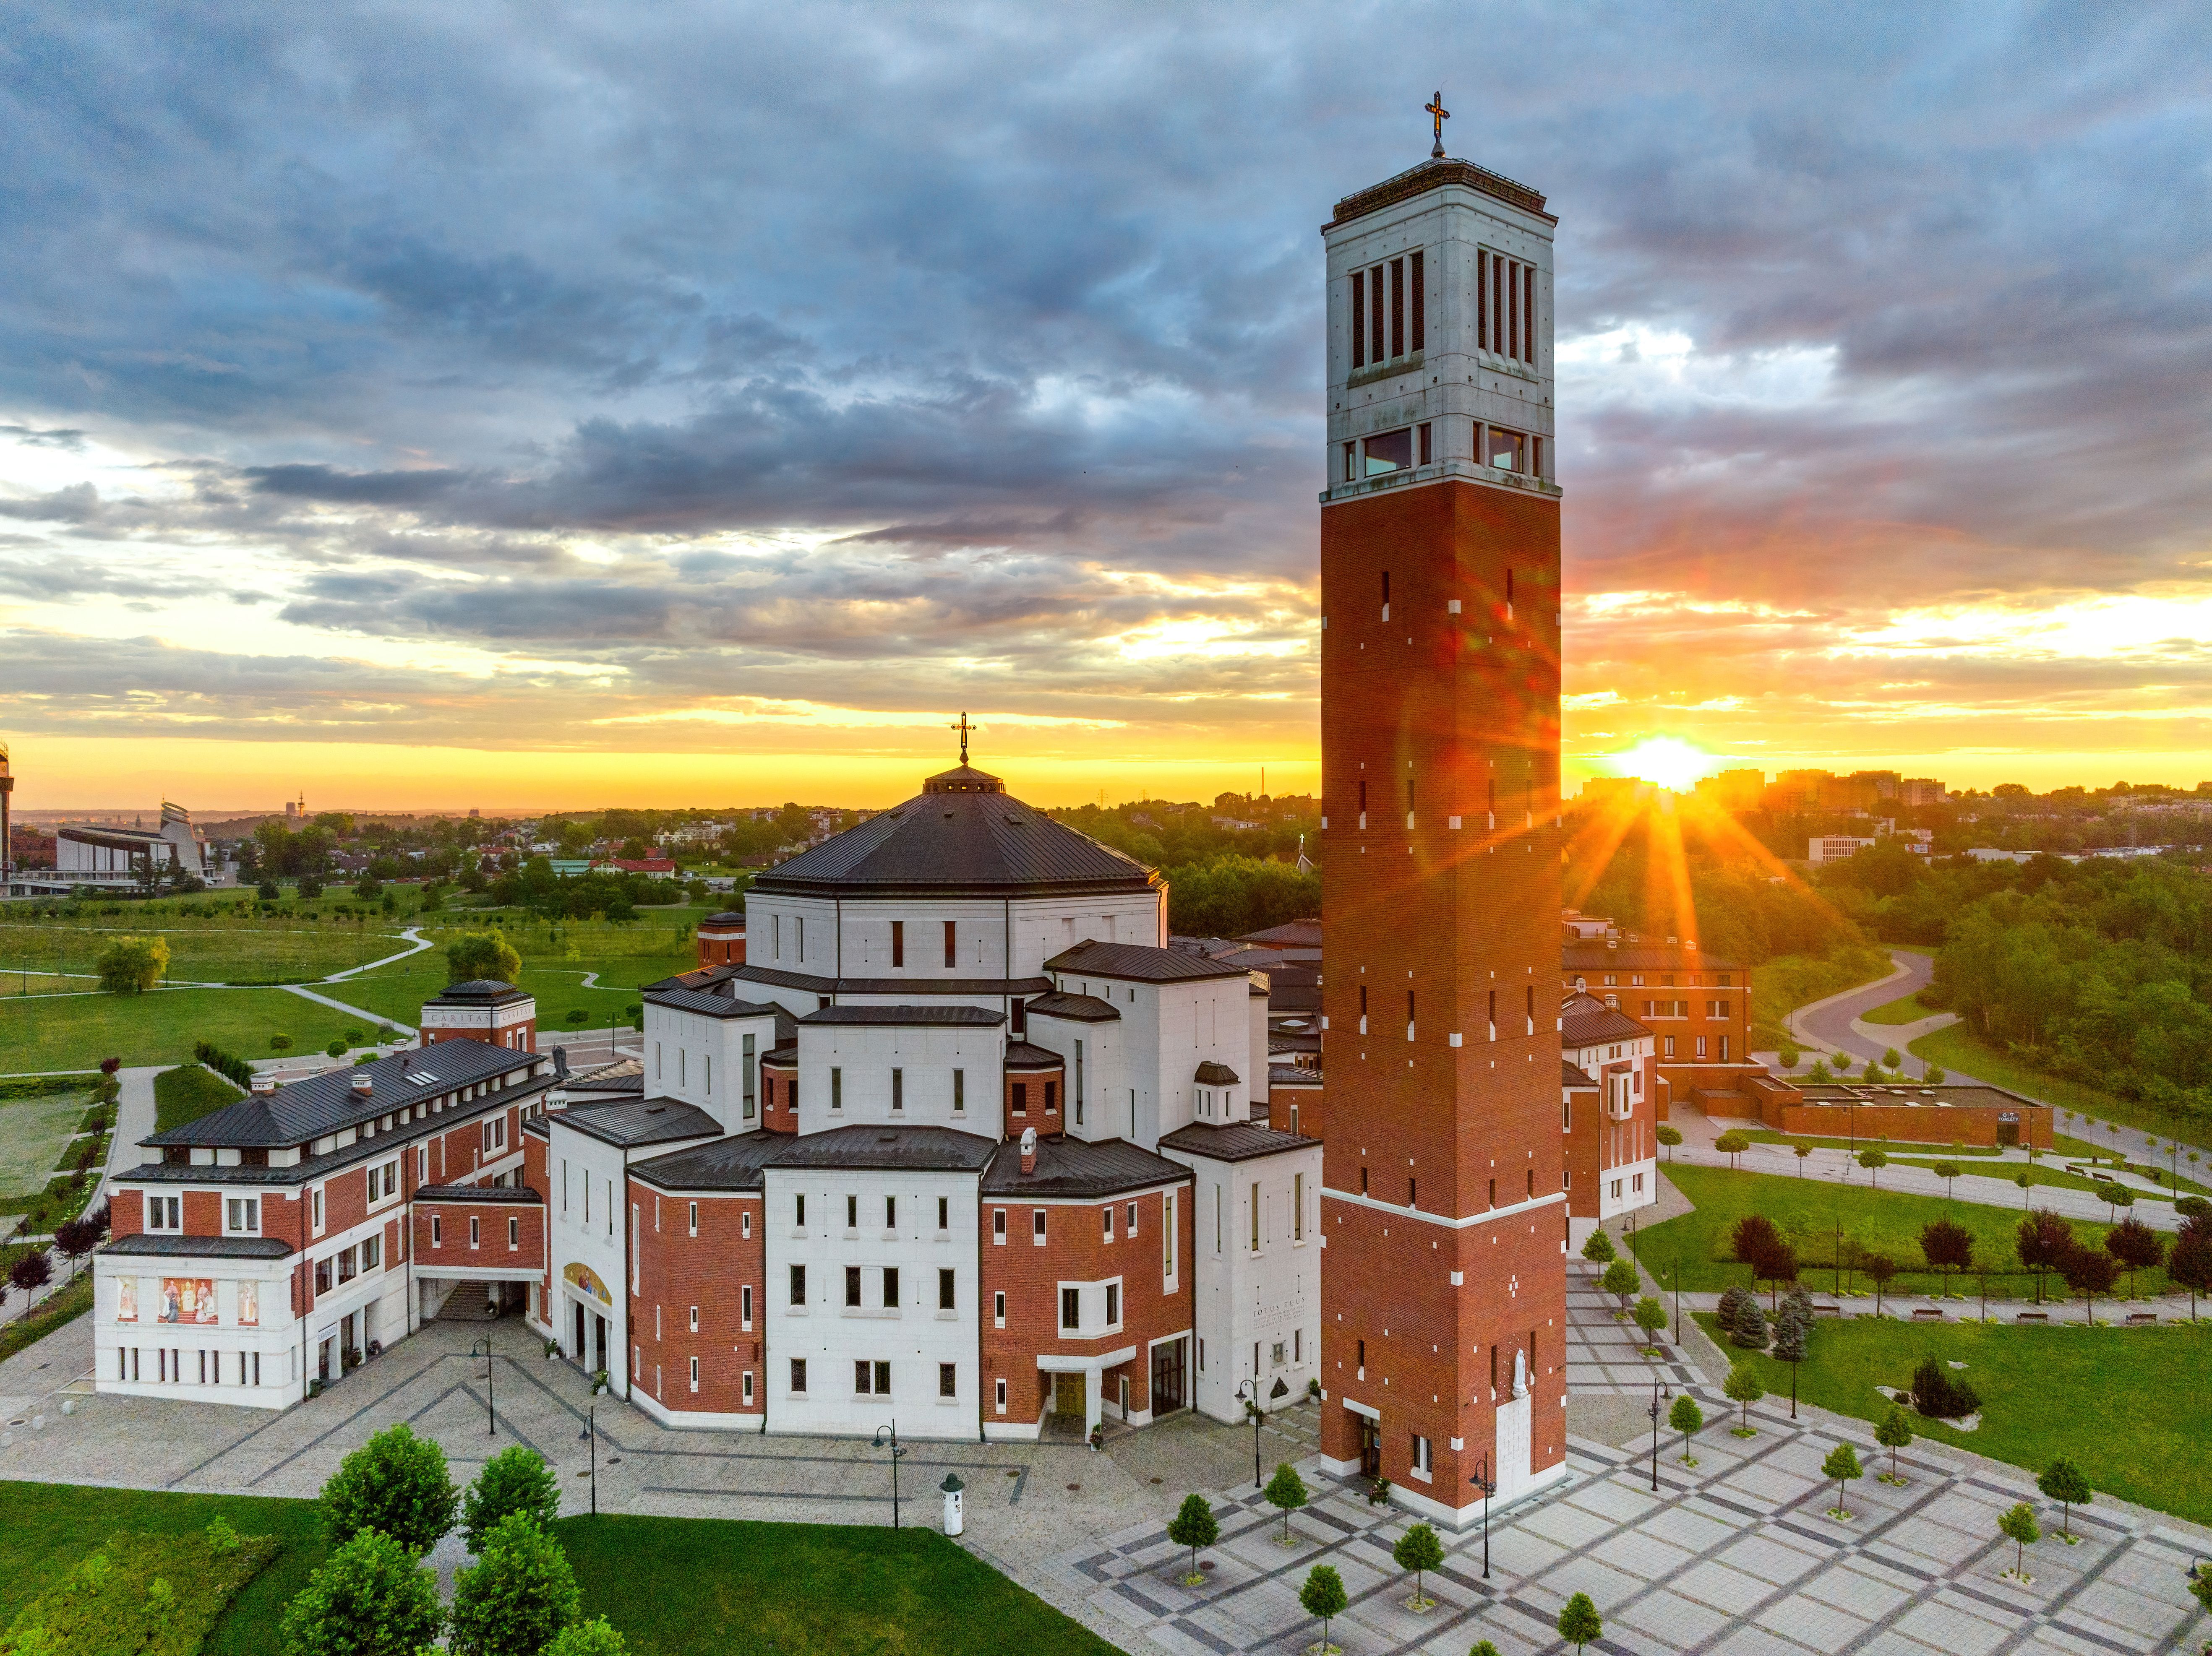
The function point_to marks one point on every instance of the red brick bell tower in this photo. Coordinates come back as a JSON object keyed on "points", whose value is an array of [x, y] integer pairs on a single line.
{"points": [[1443, 1326]]}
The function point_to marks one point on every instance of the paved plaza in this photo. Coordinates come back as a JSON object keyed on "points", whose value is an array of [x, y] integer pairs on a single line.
{"points": [[1736, 1556]]}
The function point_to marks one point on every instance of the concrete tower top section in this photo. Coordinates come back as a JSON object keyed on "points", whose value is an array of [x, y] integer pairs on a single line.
{"points": [[1440, 334]]}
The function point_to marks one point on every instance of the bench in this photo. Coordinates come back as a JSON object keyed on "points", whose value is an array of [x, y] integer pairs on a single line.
{"points": [[1828, 1311], [1926, 1311], [2033, 1317], [2137, 1317]]}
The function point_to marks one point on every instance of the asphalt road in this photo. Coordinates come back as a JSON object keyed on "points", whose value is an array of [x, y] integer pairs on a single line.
{"points": [[1829, 1022]]}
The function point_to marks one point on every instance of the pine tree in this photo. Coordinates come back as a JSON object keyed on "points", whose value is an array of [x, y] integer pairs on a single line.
{"points": [[1793, 1332]]}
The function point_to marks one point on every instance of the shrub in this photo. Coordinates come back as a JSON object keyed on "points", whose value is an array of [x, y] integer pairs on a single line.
{"points": [[155, 1594], [591, 1638], [396, 1482], [223, 1064], [1936, 1394], [518, 1598], [515, 1480], [280, 1043], [370, 1597], [335, 1049]]}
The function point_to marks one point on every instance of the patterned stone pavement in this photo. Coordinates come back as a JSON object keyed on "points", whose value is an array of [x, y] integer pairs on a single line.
{"points": [[1737, 1555]]}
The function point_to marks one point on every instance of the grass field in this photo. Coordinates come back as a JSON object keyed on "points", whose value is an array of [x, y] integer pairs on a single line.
{"points": [[200, 950], [2113, 1399], [1908, 1010], [677, 1585], [1891, 1146], [672, 1586], [1808, 1211], [73, 1302], [32, 1133], [398, 992], [1789, 981], [1957, 1048], [187, 1093], [44, 1033]]}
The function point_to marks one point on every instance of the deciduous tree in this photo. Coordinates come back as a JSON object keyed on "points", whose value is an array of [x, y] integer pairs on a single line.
{"points": [[2018, 1523], [1419, 1551], [513, 1602], [1620, 1279], [1323, 1596], [1689, 1420], [482, 955], [372, 1597], [1946, 1245], [1843, 1466], [2089, 1271], [1579, 1621], [2041, 1241], [132, 966], [1193, 1525], [2190, 1262], [515, 1480], [395, 1483], [1895, 1432], [1732, 1144], [1873, 1161], [591, 1638], [1948, 1172], [1598, 1249], [1743, 1388], [2135, 1246], [2068, 1485], [1287, 1491], [1650, 1316], [1669, 1137], [1880, 1267]]}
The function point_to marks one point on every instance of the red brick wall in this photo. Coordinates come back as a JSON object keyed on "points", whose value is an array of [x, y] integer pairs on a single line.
{"points": [[678, 1270], [715, 950], [1035, 1113], [778, 1114], [1454, 703], [494, 1253], [1076, 1251], [516, 1037], [1921, 1124], [1310, 1109], [1582, 1149]]}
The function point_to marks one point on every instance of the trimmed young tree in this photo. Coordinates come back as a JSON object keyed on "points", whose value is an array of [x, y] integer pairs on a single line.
{"points": [[1193, 1525], [1895, 1432], [1793, 1332], [1621, 1280], [2089, 1271], [2190, 1262], [1948, 1172], [1804, 1154], [1873, 1161], [2041, 1241], [515, 1480], [1579, 1621], [1482, 1647], [1946, 1245], [1598, 1249], [2068, 1485], [1322, 1595], [395, 1483], [371, 1597], [1743, 1388], [1650, 1316], [1286, 1491], [1880, 1267], [591, 1638], [1732, 1144], [1843, 1466], [1689, 1420], [1419, 1551], [518, 1598], [1669, 1137], [2018, 1523], [2135, 1246]]}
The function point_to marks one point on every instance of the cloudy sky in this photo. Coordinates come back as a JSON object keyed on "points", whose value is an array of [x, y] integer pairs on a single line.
{"points": [[539, 405]]}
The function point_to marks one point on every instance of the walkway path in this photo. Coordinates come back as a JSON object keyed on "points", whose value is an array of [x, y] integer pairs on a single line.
{"points": [[417, 943], [1833, 1025]]}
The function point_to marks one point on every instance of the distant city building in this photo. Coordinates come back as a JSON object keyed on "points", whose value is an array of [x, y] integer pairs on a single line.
{"points": [[1920, 790], [1600, 789], [1737, 790], [122, 858]]}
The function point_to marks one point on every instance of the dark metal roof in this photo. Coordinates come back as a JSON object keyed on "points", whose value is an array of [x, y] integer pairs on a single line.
{"points": [[727, 918], [145, 1245], [1139, 962], [1240, 1141], [1295, 934], [520, 1195], [1076, 1168], [917, 1149], [707, 1005], [303, 1111], [1589, 957], [1290, 1074], [1022, 1055], [958, 987], [1585, 1020], [488, 991], [648, 1121], [900, 1016], [959, 836], [783, 1052], [732, 1164], [1571, 1077], [1210, 1073], [1078, 1009]]}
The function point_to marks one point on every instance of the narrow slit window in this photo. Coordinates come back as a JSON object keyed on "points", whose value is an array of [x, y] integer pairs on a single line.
{"points": [[1419, 299], [1482, 300], [1359, 319], [1375, 313], [1425, 447], [1397, 307]]}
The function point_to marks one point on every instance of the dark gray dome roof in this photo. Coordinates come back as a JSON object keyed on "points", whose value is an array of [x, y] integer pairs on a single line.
{"points": [[971, 838]]}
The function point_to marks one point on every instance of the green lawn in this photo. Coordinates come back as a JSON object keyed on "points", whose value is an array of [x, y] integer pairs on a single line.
{"points": [[78, 1031], [2114, 1399], [1957, 1048], [1808, 1211], [1789, 981], [398, 992], [676, 1584], [47, 1529], [72, 1303], [211, 950], [1893, 1146], [187, 1093], [1908, 1010], [34, 1132]]}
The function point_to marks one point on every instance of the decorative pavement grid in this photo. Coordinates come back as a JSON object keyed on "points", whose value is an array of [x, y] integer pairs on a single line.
{"points": [[1737, 1556]]}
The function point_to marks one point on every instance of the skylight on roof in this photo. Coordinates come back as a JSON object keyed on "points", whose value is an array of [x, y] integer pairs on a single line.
{"points": [[422, 1078]]}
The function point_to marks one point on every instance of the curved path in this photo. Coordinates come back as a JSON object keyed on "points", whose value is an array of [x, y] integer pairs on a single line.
{"points": [[1834, 1025]]}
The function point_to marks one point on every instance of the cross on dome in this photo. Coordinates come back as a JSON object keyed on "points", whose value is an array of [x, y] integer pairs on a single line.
{"points": [[1436, 107], [965, 729]]}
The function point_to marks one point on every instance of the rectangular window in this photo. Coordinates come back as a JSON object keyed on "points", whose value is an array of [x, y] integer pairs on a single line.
{"points": [[959, 1091], [1113, 1304], [898, 943], [1482, 300], [1107, 1214], [1424, 1454], [745, 1225], [798, 1292], [166, 1212], [837, 1088], [852, 1213], [1359, 319], [1724, 1049], [1129, 1221], [999, 1226], [1001, 1394], [692, 1211], [853, 1285], [749, 1388], [746, 1077], [999, 1308], [948, 1381], [1531, 1009], [944, 1212], [891, 1287], [890, 1213], [898, 1089], [513, 1234], [1352, 462], [799, 1211], [1051, 1098], [1037, 1226], [951, 942], [1297, 1207], [437, 1232], [1424, 444], [1256, 1216], [1529, 310], [945, 1287], [1071, 1307], [1420, 302], [1701, 1046], [694, 1373], [1397, 307], [244, 1214], [1021, 1098], [1389, 451], [745, 1306], [1167, 1235], [1374, 318], [798, 1376]]}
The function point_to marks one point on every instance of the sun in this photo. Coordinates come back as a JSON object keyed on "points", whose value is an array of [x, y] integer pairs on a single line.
{"points": [[1671, 762]]}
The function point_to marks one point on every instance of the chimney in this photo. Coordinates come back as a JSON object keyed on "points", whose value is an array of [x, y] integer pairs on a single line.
{"points": [[264, 1083], [1028, 1150], [362, 1086]]}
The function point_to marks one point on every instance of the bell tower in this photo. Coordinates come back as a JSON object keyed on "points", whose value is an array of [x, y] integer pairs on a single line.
{"points": [[1443, 1329]]}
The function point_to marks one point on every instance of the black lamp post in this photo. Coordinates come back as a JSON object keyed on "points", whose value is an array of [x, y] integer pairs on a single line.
{"points": [[1248, 1391], [491, 1419], [896, 1454], [1658, 1391], [1483, 1481], [590, 1435]]}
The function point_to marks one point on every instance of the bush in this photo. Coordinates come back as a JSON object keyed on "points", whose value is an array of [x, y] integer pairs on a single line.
{"points": [[156, 1595], [223, 1064], [396, 1482], [370, 1597], [1940, 1397], [518, 1598], [515, 1480], [280, 1043], [335, 1049], [591, 1638]]}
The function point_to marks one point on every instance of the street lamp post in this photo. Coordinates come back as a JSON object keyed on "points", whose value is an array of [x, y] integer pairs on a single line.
{"points": [[1248, 1391], [1483, 1481], [590, 1435], [896, 1454], [1658, 1390], [491, 1419]]}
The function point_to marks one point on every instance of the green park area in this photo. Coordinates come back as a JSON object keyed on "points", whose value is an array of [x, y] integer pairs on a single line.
{"points": [[77, 1032], [2115, 1400], [1909, 1009], [671, 1587], [187, 1093], [1833, 1226], [60, 953], [53, 1141]]}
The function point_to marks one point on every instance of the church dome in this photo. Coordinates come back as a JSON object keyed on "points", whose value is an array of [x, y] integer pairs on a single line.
{"points": [[963, 836]]}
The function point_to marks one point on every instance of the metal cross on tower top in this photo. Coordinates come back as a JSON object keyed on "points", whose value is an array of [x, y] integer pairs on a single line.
{"points": [[1436, 107], [965, 729]]}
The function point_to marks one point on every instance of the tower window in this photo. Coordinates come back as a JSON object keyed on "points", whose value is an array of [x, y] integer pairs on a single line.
{"points": [[898, 943], [1419, 297], [1426, 448], [951, 942], [1397, 307], [1389, 451], [1359, 319]]}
